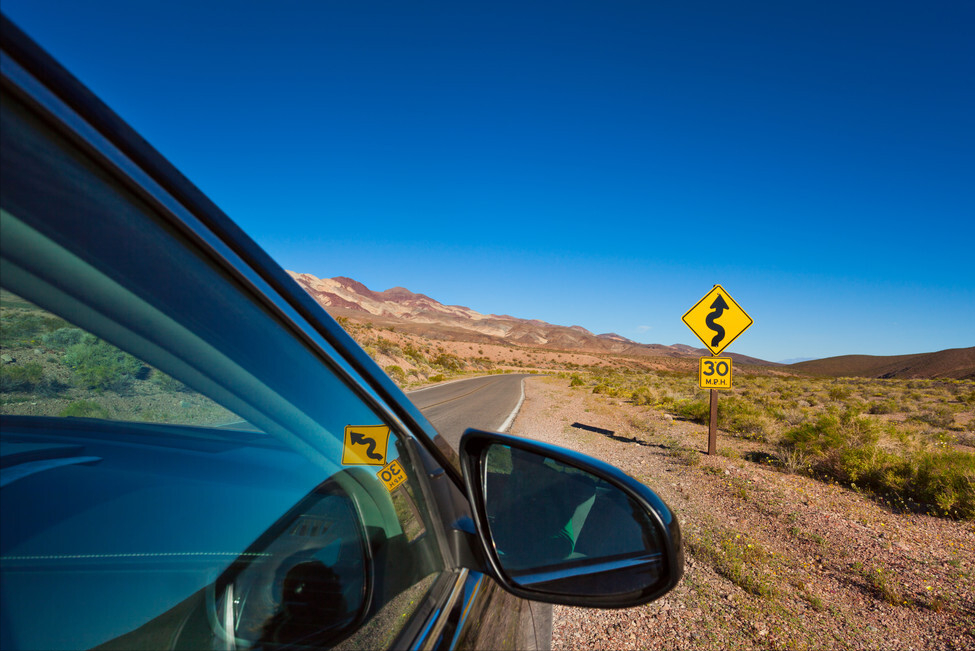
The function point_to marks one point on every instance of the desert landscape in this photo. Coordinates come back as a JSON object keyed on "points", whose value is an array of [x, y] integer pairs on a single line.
{"points": [[839, 511]]}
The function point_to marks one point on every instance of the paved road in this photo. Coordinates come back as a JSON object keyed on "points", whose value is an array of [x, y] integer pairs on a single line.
{"points": [[484, 403]]}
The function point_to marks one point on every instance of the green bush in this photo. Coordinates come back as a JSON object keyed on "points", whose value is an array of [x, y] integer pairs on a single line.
{"points": [[396, 373], [18, 329], [698, 411], [96, 364], [62, 338], [847, 447], [887, 406], [387, 347], [448, 362], [84, 409], [14, 377], [643, 396], [742, 417], [941, 416], [414, 354], [840, 392]]}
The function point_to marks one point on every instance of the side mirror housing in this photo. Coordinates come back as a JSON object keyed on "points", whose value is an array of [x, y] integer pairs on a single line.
{"points": [[561, 527]]}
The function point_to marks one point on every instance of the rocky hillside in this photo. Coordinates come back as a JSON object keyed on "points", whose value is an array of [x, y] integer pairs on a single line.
{"points": [[419, 314]]}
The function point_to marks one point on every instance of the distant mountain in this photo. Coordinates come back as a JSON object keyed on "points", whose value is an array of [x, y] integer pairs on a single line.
{"points": [[955, 363], [418, 313], [796, 360]]}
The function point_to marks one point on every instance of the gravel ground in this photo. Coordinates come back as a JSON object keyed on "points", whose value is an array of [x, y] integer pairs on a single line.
{"points": [[774, 561]]}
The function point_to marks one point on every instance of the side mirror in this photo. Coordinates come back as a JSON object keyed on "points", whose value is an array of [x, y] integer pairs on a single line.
{"points": [[562, 527]]}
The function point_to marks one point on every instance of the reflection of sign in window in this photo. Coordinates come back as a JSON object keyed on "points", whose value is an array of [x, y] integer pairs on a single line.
{"points": [[365, 445], [392, 476]]}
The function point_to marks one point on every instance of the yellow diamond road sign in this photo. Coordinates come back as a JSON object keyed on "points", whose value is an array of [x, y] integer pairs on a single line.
{"points": [[717, 320], [365, 445]]}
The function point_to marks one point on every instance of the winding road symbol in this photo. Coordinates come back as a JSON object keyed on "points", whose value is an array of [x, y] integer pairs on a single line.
{"points": [[719, 306], [365, 445], [703, 318], [361, 439]]}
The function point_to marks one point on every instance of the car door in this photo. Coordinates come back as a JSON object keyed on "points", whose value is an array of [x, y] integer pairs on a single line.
{"points": [[194, 454]]}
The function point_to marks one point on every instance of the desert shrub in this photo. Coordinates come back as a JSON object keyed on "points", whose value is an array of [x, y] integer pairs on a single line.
{"points": [[698, 411], [643, 396], [940, 416], [743, 417], [15, 377], [414, 354], [62, 338], [840, 392], [439, 377], [387, 347], [576, 380], [848, 447], [449, 362], [96, 364], [738, 558], [84, 409], [396, 373], [945, 478], [20, 329], [887, 406]]}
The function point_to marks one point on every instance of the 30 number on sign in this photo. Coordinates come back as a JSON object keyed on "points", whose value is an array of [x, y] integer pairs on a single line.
{"points": [[715, 373], [392, 476]]}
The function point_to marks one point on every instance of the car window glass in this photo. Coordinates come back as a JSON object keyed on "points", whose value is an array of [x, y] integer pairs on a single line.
{"points": [[49, 367], [147, 515]]}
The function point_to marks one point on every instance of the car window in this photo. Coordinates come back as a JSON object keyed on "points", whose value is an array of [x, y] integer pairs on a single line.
{"points": [[182, 467]]}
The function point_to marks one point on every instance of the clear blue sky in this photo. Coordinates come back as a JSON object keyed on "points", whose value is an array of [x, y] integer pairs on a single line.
{"points": [[592, 163]]}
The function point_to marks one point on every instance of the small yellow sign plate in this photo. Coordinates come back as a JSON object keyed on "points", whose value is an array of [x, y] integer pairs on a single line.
{"points": [[392, 476], [717, 320], [365, 445], [715, 373]]}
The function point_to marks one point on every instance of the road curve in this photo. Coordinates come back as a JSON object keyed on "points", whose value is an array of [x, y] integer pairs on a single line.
{"points": [[483, 402]]}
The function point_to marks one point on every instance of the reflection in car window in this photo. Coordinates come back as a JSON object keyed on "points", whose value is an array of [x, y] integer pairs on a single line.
{"points": [[172, 516], [52, 368], [138, 511]]}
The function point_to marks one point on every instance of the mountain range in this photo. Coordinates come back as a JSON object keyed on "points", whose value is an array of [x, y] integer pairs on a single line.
{"points": [[419, 314]]}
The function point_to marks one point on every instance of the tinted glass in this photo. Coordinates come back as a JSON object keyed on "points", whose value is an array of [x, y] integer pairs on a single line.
{"points": [[180, 468]]}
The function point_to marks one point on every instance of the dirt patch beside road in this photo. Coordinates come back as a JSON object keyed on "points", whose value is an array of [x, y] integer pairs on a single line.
{"points": [[774, 560]]}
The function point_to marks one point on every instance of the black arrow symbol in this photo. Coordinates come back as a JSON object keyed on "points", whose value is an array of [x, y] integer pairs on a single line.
{"points": [[362, 439], [719, 306]]}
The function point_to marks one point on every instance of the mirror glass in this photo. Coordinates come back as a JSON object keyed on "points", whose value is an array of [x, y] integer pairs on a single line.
{"points": [[561, 529]]}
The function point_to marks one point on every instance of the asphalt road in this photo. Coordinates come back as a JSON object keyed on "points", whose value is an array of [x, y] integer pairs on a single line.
{"points": [[485, 403]]}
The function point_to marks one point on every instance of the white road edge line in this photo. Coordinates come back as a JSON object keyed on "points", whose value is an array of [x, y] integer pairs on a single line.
{"points": [[511, 417]]}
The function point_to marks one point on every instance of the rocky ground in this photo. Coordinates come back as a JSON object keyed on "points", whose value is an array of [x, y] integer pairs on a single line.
{"points": [[774, 560]]}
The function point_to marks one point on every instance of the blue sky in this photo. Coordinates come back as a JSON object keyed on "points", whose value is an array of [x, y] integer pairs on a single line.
{"points": [[586, 163]]}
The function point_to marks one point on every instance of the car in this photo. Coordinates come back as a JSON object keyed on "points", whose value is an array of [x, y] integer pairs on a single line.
{"points": [[195, 455]]}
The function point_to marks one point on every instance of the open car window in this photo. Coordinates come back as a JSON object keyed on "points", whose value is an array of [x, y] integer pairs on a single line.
{"points": [[181, 468]]}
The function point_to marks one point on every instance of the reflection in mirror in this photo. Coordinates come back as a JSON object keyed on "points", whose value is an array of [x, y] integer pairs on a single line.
{"points": [[561, 529]]}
